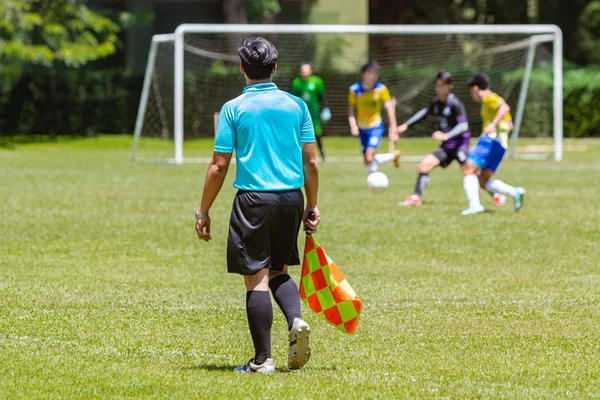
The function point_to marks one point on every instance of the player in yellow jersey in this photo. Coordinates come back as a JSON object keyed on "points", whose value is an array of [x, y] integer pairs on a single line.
{"points": [[486, 155], [365, 102]]}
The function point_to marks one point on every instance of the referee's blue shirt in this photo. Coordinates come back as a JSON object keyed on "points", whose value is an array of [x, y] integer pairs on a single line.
{"points": [[266, 127]]}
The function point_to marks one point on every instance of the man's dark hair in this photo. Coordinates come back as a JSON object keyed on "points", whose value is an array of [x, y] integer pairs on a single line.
{"points": [[258, 57], [444, 76], [371, 66], [303, 63], [482, 81]]}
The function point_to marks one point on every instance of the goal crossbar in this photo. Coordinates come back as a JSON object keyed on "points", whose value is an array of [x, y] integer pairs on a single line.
{"points": [[370, 29]]}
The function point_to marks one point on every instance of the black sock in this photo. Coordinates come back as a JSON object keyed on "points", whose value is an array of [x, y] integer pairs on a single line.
{"points": [[422, 182], [260, 319], [285, 292]]}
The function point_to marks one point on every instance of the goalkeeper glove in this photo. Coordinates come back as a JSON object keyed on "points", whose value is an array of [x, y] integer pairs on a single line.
{"points": [[325, 114]]}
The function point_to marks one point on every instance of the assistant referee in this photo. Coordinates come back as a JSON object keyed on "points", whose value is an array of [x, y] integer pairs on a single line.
{"points": [[272, 134]]}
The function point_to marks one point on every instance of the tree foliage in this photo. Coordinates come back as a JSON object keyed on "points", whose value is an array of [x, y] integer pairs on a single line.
{"points": [[260, 11], [250, 11], [578, 19], [51, 32], [588, 34]]}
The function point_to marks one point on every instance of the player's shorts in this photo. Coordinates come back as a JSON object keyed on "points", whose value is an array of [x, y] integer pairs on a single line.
{"points": [[263, 231], [487, 153], [446, 156], [371, 138]]}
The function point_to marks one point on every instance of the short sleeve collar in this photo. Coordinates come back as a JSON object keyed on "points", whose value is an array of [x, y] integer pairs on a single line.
{"points": [[259, 87]]}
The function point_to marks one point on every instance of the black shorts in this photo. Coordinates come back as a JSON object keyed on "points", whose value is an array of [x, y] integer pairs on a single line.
{"points": [[446, 156], [263, 231]]}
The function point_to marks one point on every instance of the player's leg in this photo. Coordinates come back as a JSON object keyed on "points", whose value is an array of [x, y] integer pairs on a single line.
{"points": [[364, 135], [477, 160], [319, 140], [485, 176], [369, 157], [498, 197], [496, 185], [387, 157], [318, 136], [471, 188], [382, 158], [371, 140], [429, 163], [497, 189]]}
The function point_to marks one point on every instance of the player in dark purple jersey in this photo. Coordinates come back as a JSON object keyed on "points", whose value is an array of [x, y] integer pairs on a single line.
{"points": [[453, 131]]}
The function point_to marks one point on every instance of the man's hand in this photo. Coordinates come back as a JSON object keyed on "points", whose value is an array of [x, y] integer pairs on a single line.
{"points": [[439, 135], [402, 128], [354, 130], [310, 225], [491, 128], [203, 228], [394, 137]]}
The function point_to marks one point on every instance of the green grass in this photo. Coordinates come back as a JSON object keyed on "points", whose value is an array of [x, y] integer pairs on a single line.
{"points": [[105, 291]]}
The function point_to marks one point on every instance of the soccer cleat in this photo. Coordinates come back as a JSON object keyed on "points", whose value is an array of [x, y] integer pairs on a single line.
{"points": [[397, 154], [267, 367], [519, 198], [473, 210], [299, 344], [412, 200]]}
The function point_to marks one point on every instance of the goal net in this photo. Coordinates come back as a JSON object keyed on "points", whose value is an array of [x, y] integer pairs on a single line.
{"points": [[192, 73]]}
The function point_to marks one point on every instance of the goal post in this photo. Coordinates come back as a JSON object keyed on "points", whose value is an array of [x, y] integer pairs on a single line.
{"points": [[520, 51], [148, 76]]}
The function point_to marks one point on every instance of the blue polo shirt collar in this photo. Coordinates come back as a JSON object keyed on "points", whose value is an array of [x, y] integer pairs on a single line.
{"points": [[259, 87]]}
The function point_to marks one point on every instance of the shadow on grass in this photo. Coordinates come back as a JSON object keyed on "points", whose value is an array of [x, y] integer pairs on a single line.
{"points": [[230, 368], [211, 367]]}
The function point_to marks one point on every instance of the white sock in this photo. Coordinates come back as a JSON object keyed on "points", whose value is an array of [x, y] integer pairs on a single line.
{"points": [[383, 158], [373, 167], [497, 186], [471, 186]]}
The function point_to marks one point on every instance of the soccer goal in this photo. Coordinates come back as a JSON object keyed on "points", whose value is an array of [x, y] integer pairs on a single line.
{"points": [[193, 72]]}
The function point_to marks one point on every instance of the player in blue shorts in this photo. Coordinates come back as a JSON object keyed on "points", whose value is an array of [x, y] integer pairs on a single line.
{"points": [[365, 100], [487, 154]]}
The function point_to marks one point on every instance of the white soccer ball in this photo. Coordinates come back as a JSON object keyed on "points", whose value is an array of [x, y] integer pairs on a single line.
{"points": [[377, 181]]}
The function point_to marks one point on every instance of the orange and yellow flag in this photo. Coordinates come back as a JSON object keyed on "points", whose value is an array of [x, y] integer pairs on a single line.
{"points": [[324, 289]]}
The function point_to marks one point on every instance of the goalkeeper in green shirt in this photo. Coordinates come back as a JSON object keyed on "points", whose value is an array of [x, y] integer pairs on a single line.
{"points": [[311, 89]]}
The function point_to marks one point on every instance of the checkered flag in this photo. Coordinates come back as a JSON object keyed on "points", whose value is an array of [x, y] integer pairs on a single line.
{"points": [[324, 289]]}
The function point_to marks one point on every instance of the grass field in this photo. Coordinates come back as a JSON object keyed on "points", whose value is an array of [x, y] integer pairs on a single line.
{"points": [[105, 291]]}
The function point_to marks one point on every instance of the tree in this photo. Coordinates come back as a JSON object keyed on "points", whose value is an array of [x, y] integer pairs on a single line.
{"points": [[50, 33], [250, 11], [588, 33], [235, 11]]}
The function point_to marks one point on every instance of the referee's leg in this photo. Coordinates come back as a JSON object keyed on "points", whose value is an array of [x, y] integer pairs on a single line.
{"points": [[260, 314], [284, 252], [285, 293]]}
